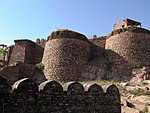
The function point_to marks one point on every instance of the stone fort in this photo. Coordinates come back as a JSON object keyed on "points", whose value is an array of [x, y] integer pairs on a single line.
{"points": [[25, 96], [69, 56]]}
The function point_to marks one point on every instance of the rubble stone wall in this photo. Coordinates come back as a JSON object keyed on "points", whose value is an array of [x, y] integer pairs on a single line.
{"points": [[38, 54], [21, 70], [128, 49], [52, 97], [29, 53], [97, 46], [65, 56], [120, 24], [17, 53], [100, 41], [25, 51]]}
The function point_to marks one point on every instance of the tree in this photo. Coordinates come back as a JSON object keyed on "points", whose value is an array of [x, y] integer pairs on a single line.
{"points": [[4, 51]]}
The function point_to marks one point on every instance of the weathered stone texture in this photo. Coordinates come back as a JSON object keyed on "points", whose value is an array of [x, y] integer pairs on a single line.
{"points": [[38, 54], [128, 49], [126, 23], [29, 54], [10, 73], [93, 72], [97, 46], [17, 53], [52, 97], [100, 41], [41, 42], [20, 70], [65, 33], [25, 51], [64, 57]]}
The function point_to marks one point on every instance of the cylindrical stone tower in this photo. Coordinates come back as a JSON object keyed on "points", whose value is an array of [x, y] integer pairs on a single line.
{"points": [[127, 48], [65, 53]]}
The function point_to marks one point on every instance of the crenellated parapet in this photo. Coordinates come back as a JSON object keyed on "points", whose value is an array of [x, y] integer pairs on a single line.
{"points": [[53, 97], [69, 56]]}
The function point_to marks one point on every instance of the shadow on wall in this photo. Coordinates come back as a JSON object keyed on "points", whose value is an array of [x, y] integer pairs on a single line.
{"points": [[52, 97], [96, 51], [117, 67], [20, 70]]}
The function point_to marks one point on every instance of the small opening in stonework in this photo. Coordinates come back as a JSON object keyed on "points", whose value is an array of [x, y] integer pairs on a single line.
{"points": [[122, 25]]}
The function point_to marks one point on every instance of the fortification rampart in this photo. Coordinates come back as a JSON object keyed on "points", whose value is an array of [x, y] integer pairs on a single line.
{"points": [[69, 55], [41, 42], [64, 55], [52, 97], [97, 46], [25, 51], [128, 48]]}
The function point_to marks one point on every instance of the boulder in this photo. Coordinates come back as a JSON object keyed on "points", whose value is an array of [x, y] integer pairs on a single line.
{"points": [[129, 110]]}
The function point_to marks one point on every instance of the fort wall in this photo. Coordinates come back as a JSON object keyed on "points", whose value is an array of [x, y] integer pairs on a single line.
{"points": [[25, 51], [97, 46], [68, 55], [38, 53], [17, 53], [127, 48], [65, 54], [52, 97]]}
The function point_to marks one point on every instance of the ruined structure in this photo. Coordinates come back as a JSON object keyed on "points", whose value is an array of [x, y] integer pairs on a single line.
{"points": [[70, 56], [126, 23], [52, 97], [128, 48], [25, 51], [131, 47]]}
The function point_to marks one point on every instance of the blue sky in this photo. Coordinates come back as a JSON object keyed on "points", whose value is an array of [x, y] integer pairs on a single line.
{"points": [[31, 19]]}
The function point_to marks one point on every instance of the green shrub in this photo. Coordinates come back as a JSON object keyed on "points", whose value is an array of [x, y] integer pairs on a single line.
{"points": [[147, 104], [130, 29], [139, 92], [144, 83], [145, 110], [40, 66]]}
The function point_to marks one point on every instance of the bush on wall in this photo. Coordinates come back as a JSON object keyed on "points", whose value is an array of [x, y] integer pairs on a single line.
{"points": [[40, 66]]}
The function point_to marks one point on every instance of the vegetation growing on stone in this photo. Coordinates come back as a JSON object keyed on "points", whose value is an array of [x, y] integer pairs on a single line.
{"points": [[4, 51], [65, 33], [40, 66], [139, 92], [129, 29]]}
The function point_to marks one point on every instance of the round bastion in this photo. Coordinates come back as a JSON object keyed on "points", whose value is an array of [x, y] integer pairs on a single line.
{"points": [[128, 48], [65, 54]]}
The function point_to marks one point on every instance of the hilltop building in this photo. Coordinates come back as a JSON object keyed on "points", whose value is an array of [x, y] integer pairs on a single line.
{"points": [[69, 56]]}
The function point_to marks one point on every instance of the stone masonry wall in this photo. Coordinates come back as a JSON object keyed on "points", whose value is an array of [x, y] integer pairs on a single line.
{"points": [[17, 53], [20, 70], [29, 53], [100, 41], [64, 57], [38, 53], [127, 49], [52, 97], [25, 51], [97, 46], [120, 24]]}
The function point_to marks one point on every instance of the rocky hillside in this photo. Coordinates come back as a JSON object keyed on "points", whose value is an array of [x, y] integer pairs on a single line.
{"points": [[135, 97]]}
